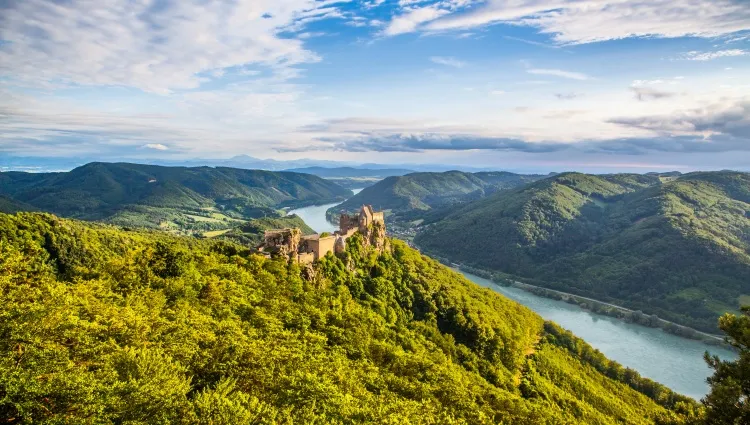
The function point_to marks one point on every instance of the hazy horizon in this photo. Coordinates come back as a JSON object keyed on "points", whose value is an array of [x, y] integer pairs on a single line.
{"points": [[63, 164]]}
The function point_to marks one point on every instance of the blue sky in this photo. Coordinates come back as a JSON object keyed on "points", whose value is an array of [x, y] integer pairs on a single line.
{"points": [[605, 85]]}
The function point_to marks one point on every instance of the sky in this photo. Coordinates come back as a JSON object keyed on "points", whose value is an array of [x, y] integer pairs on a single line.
{"points": [[620, 85]]}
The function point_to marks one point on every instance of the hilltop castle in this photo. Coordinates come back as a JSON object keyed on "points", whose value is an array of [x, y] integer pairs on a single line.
{"points": [[306, 249]]}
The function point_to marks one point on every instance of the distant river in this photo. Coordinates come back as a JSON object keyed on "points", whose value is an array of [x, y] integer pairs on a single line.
{"points": [[671, 360], [315, 216]]}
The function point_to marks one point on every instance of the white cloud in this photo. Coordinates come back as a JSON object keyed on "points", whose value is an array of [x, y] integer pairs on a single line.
{"points": [[413, 18], [659, 81], [372, 4], [707, 56], [154, 46], [242, 117], [729, 118], [559, 73], [497, 92], [440, 60], [586, 21], [736, 39], [156, 146]]}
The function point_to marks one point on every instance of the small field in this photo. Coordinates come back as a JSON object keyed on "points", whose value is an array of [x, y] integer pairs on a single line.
{"points": [[215, 233]]}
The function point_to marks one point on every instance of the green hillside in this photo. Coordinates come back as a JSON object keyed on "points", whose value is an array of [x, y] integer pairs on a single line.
{"points": [[198, 198], [251, 233], [423, 191], [102, 325], [10, 206], [679, 248]]}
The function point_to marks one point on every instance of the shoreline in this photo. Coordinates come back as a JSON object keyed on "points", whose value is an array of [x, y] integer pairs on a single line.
{"points": [[593, 305]]}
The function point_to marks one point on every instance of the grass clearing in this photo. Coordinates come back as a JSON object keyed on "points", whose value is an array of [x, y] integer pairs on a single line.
{"points": [[215, 233]]}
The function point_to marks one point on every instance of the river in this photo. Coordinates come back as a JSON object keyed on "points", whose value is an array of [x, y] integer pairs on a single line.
{"points": [[669, 359], [315, 216]]}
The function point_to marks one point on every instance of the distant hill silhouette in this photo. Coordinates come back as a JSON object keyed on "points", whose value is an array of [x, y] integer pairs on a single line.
{"points": [[351, 172]]}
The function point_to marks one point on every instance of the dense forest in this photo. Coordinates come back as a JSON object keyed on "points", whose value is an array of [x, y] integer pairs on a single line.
{"points": [[106, 325], [677, 246], [171, 198], [424, 191], [251, 232]]}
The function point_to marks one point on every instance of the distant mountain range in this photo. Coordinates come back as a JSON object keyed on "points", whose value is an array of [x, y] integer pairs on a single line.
{"points": [[351, 172], [668, 244], [202, 198], [351, 177], [52, 164]]}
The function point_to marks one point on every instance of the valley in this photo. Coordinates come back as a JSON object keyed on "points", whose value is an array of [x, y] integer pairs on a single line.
{"points": [[675, 247], [669, 359], [386, 212], [183, 200], [642, 358]]}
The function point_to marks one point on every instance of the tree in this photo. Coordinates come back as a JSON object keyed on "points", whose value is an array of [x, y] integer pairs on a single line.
{"points": [[729, 399]]}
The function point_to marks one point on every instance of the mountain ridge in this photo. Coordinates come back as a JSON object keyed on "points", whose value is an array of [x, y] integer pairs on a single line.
{"points": [[145, 194], [662, 247], [427, 190]]}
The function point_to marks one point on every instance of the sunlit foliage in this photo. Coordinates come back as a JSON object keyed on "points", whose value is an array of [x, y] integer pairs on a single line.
{"points": [[101, 325]]}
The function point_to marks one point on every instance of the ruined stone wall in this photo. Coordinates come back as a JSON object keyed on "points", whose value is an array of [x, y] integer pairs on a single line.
{"points": [[324, 246], [348, 223], [305, 257]]}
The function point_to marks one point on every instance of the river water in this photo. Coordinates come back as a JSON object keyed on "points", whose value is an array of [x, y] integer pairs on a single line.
{"points": [[671, 360], [315, 216]]}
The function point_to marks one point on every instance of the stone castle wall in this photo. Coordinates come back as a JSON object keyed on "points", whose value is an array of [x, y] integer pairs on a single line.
{"points": [[324, 246]]}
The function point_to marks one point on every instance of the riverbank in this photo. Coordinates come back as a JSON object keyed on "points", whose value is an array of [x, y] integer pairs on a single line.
{"points": [[593, 305], [672, 360]]}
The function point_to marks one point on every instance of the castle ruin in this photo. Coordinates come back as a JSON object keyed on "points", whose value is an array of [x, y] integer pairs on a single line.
{"points": [[306, 249]]}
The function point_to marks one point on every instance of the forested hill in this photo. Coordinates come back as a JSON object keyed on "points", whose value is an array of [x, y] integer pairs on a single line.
{"points": [[9, 205], [422, 191], [102, 325], [149, 195], [678, 248]]}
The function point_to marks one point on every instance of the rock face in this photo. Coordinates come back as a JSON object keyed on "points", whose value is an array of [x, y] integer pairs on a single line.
{"points": [[340, 245], [374, 235], [282, 241], [368, 222]]}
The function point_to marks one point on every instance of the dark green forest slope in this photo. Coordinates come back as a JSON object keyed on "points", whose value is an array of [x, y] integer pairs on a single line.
{"points": [[102, 325], [10, 206], [197, 198], [251, 233], [679, 248], [423, 191]]}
